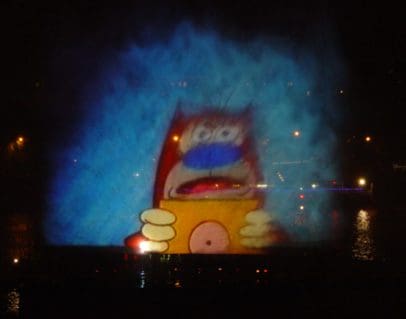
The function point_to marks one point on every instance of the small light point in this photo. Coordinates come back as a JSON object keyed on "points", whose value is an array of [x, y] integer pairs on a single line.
{"points": [[362, 181]]}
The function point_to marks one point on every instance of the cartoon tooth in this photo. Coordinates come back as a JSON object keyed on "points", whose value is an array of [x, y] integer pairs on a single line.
{"points": [[205, 199]]}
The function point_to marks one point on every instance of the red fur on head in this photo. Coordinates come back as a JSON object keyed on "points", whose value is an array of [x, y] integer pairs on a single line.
{"points": [[170, 154]]}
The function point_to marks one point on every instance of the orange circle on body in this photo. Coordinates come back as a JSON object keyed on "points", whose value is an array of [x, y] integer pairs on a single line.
{"points": [[209, 238]]}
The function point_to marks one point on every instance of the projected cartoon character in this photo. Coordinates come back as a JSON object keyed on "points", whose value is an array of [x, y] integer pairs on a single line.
{"points": [[207, 196]]}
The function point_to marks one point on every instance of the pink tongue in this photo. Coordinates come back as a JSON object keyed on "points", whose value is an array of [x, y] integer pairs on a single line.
{"points": [[206, 184]]}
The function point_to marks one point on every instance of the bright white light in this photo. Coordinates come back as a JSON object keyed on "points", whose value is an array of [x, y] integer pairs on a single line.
{"points": [[262, 185], [301, 207], [16, 260], [296, 133], [144, 246], [314, 185], [362, 181]]}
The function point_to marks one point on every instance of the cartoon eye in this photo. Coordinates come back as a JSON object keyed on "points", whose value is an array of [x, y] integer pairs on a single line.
{"points": [[227, 133], [201, 134]]}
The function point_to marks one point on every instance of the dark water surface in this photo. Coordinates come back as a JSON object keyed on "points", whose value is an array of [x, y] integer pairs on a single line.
{"points": [[361, 270]]}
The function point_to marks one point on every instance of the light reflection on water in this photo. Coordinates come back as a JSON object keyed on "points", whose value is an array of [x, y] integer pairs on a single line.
{"points": [[363, 246], [13, 302], [142, 278]]}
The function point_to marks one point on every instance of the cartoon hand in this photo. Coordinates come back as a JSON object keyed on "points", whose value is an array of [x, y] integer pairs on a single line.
{"points": [[157, 229], [257, 234]]}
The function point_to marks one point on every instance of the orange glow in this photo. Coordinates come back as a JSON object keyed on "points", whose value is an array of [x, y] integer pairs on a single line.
{"points": [[231, 214], [368, 139], [175, 138], [362, 181], [20, 141]]}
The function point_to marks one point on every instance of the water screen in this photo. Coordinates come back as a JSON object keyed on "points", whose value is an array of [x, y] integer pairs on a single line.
{"points": [[198, 142]]}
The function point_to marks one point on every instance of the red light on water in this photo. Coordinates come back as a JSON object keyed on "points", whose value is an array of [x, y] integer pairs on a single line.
{"points": [[301, 196]]}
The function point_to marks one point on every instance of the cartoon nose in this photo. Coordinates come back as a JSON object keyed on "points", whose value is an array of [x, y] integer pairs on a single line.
{"points": [[208, 156]]}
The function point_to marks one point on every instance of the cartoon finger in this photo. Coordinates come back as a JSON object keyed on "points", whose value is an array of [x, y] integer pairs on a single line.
{"points": [[158, 233], [255, 230], [258, 217], [158, 217], [256, 242]]}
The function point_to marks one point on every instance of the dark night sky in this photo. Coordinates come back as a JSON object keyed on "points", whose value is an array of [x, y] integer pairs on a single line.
{"points": [[369, 37]]}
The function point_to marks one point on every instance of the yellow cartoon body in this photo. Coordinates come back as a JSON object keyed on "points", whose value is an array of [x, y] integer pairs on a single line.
{"points": [[206, 199], [209, 226]]}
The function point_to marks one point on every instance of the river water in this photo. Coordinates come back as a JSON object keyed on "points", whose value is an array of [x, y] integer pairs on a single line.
{"points": [[369, 249]]}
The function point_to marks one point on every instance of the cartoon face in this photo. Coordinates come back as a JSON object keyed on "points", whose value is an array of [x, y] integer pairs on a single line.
{"points": [[205, 195], [215, 159]]}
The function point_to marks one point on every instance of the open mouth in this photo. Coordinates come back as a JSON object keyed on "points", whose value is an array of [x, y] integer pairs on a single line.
{"points": [[209, 184]]}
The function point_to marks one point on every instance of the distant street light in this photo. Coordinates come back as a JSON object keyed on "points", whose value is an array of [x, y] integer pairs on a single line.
{"points": [[17, 144], [20, 141], [362, 181]]}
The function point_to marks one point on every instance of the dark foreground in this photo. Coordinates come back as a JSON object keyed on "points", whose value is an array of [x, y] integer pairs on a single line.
{"points": [[361, 273], [106, 283]]}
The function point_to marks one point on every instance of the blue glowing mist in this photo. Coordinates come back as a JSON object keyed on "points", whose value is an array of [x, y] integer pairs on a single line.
{"points": [[106, 178]]}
